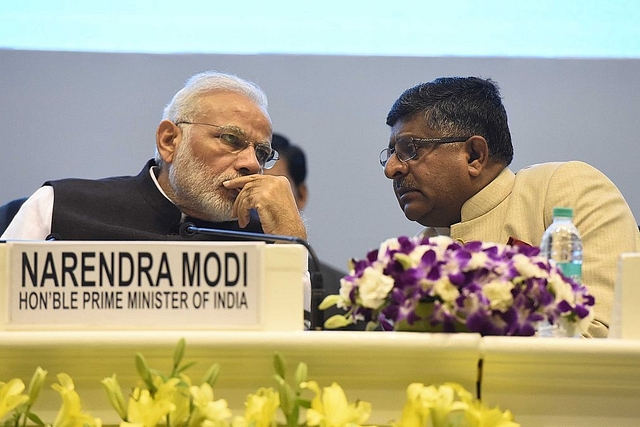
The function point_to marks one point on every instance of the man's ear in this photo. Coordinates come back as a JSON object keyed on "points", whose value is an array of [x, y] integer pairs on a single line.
{"points": [[302, 196], [167, 137], [477, 154]]}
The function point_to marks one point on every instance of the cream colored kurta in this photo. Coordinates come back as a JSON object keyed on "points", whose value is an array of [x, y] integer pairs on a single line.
{"points": [[521, 206]]}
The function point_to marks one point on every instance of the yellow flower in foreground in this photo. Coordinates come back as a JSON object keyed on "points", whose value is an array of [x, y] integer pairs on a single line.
{"points": [[330, 408], [70, 414], [448, 405], [486, 417], [35, 385], [114, 393], [431, 406], [206, 411], [146, 411], [176, 391], [261, 408], [11, 397]]}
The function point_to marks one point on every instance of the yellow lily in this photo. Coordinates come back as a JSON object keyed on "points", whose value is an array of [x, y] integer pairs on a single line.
{"points": [[330, 408], [114, 393], [261, 408], [11, 397], [206, 410], [70, 414], [147, 411]]}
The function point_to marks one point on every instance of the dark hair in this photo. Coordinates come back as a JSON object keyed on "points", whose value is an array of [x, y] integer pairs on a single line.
{"points": [[459, 106], [296, 160]]}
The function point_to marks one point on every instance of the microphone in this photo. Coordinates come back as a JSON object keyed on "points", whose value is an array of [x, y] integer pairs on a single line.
{"points": [[188, 230]]}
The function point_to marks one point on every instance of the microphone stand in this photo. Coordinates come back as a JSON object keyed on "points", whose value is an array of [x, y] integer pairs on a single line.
{"points": [[317, 286]]}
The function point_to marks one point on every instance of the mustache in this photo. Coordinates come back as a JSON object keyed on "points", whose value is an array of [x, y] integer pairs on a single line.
{"points": [[403, 185]]}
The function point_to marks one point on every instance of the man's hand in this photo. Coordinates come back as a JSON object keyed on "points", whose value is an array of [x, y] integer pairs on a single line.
{"points": [[272, 198]]}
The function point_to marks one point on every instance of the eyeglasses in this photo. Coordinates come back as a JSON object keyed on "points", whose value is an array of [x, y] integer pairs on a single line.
{"points": [[406, 148], [267, 157]]}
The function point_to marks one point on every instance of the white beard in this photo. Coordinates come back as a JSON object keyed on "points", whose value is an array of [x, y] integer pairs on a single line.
{"points": [[197, 189]]}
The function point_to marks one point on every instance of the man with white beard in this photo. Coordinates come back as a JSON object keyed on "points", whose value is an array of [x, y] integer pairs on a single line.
{"points": [[211, 148]]}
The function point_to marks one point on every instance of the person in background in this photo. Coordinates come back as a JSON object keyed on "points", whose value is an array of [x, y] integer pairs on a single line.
{"points": [[448, 157], [293, 165]]}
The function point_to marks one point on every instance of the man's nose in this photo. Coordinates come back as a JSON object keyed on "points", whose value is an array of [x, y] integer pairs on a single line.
{"points": [[394, 167], [247, 162]]}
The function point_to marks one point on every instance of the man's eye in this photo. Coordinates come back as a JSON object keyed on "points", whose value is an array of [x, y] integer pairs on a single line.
{"points": [[230, 139], [263, 154], [403, 146]]}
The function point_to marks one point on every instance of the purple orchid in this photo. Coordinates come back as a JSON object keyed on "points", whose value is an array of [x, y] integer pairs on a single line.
{"points": [[488, 288]]}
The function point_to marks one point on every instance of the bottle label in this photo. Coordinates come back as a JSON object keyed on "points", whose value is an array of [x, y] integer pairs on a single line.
{"points": [[573, 270]]}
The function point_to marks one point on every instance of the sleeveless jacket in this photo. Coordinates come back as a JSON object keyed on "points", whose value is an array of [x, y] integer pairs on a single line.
{"points": [[124, 208]]}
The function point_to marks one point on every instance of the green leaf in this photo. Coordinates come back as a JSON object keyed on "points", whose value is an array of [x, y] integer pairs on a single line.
{"points": [[33, 417], [292, 419], [304, 403], [178, 353], [280, 365], [183, 368]]}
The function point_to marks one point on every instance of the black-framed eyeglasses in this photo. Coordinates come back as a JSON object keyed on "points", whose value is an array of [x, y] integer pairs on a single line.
{"points": [[266, 156], [406, 148]]}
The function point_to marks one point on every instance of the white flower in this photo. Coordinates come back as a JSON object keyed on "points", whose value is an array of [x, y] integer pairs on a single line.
{"points": [[561, 289], [478, 260], [386, 246], [526, 268], [446, 290], [416, 254], [583, 324], [498, 292], [439, 245], [374, 287]]}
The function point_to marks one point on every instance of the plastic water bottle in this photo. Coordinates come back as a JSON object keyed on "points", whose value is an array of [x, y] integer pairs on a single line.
{"points": [[562, 243]]}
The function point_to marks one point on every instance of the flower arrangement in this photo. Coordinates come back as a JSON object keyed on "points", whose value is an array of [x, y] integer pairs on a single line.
{"points": [[174, 400], [491, 289]]}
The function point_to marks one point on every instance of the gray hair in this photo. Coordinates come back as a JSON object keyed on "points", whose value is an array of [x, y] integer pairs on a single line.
{"points": [[185, 103]]}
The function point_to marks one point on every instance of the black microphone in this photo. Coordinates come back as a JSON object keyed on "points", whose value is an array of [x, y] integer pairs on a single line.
{"points": [[188, 230]]}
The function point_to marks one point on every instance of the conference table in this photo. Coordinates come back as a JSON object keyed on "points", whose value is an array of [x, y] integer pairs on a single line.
{"points": [[543, 381]]}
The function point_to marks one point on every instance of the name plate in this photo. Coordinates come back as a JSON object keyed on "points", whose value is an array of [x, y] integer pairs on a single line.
{"points": [[133, 285]]}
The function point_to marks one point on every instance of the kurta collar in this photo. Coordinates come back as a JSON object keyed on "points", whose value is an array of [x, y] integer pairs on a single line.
{"points": [[489, 197]]}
